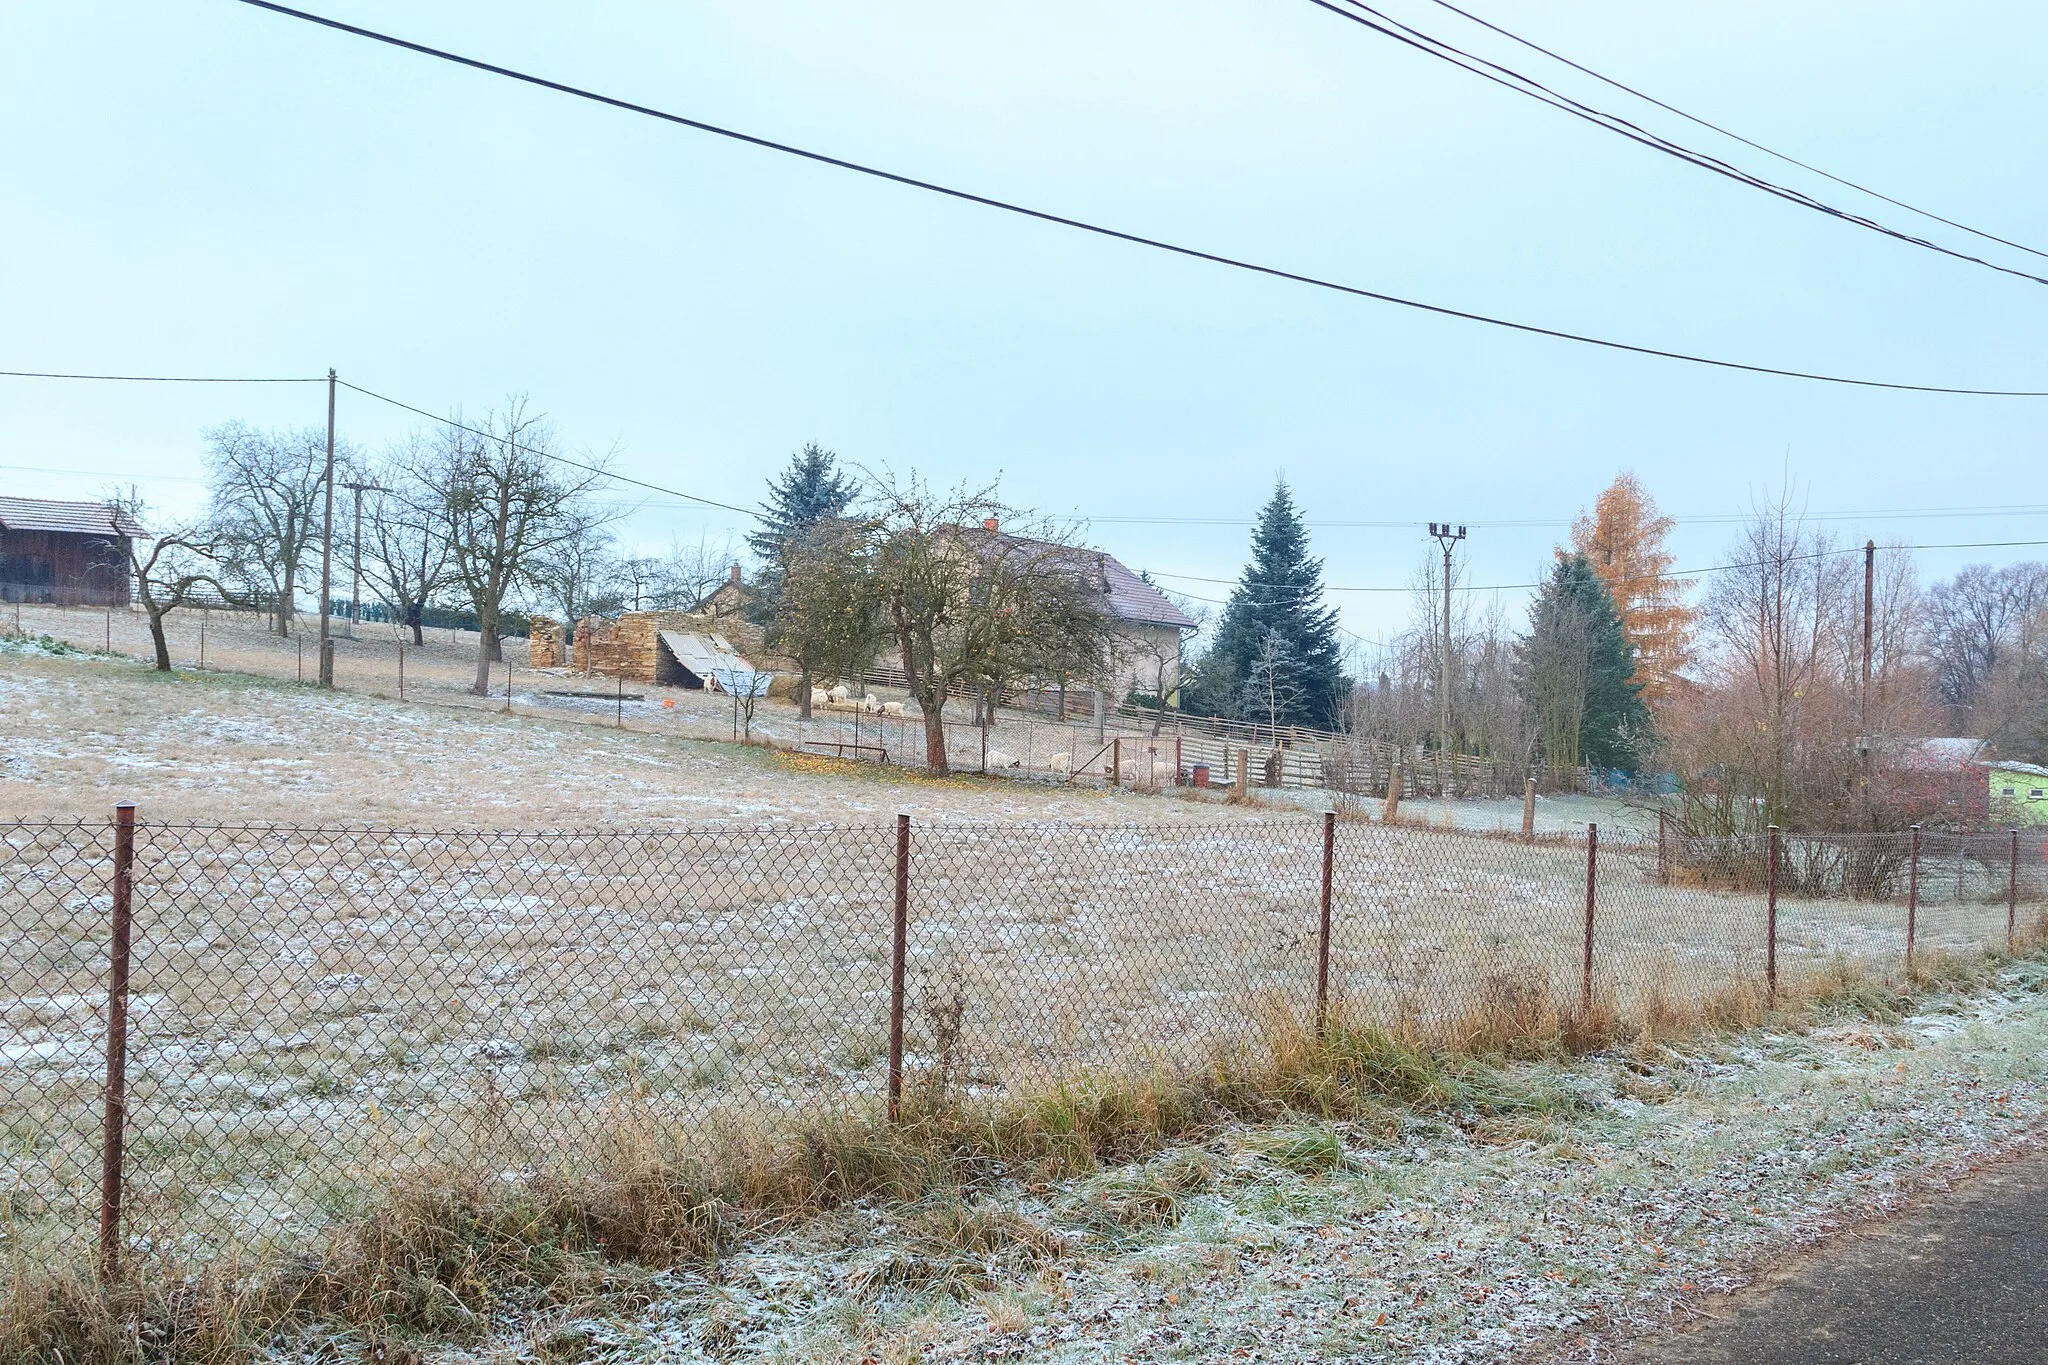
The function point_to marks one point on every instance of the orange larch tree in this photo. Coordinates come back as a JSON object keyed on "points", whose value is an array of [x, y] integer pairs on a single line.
{"points": [[1624, 541]]}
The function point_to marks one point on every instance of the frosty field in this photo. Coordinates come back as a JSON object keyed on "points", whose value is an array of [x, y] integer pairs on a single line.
{"points": [[346, 967]]}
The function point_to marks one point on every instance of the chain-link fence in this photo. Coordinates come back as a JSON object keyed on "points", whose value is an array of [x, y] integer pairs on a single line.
{"points": [[311, 1013]]}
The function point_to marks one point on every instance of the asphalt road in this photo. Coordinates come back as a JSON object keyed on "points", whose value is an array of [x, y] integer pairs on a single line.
{"points": [[1961, 1277]]}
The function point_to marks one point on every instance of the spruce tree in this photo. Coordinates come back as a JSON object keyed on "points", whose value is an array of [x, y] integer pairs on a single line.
{"points": [[1576, 673], [809, 491], [1276, 653]]}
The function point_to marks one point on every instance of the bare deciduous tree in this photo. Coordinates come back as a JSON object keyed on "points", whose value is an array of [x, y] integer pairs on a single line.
{"points": [[179, 566], [504, 506], [266, 490], [406, 554]]}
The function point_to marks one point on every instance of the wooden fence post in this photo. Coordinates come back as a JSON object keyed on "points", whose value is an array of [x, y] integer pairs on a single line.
{"points": [[899, 949], [1592, 884], [1771, 914], [114, 1124], [1323, 925]]}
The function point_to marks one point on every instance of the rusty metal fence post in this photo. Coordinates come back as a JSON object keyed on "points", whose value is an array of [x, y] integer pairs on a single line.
{"points": [[1912, 895], [1592, 885], [1771, 912], [2012, 889], [1663, 858], [1116, 760], [1323, 926], [899, 949], [115, 1119], [401, 670]]}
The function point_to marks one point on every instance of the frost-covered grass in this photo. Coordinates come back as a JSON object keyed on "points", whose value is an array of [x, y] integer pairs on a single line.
{"points": [[1659, 1174], [1358, 1200]]}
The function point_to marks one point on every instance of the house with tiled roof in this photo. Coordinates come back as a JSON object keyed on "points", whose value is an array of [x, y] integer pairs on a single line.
{"points": [[67, 553]]}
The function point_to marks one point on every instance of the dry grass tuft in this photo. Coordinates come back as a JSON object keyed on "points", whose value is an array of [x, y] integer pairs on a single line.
{"points": [[443, 1257]]}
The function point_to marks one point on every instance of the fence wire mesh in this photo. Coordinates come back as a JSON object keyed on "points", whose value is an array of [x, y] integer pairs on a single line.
{"points": [[314, 1013]]}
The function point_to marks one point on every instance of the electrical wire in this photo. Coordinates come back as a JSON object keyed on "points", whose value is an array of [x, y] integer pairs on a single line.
{"points": [[554, 458], [1356, 11], [1678, 574], [1735, 136], [1116, 234], [160, 378]]}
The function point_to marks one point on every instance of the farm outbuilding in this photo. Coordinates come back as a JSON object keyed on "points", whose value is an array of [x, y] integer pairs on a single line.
{"points": [[65, 553], [667, 648]]}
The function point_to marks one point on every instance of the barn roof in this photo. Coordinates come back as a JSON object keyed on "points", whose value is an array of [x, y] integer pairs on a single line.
{"points": [[1131, 598], [69, 518]]}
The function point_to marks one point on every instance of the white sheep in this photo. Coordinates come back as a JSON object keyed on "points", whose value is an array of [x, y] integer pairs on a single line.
{"points": [[998, 759], [1129, 770], [821, 700], [1061, 763], [871, 704], [840, 692], [1164, 773], [892, 708]]}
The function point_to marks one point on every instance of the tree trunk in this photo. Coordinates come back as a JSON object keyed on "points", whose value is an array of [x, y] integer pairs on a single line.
{"points": [[156, 637], [485, 638], [803, 692], [416, 617], [1101, 715], [934, 732]]}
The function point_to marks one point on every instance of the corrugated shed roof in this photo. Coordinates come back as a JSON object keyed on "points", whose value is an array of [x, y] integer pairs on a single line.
{"points": [[70, 518]]}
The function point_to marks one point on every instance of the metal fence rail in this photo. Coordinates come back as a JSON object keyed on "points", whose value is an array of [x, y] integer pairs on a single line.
{"points": [[306, 1014]]}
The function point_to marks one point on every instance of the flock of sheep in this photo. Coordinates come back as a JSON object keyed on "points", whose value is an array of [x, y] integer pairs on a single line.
{"points": [[841, 698]]}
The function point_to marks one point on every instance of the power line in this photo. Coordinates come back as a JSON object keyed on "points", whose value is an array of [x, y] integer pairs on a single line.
{"points": [[1522, 84], [548, 455], [1729, 133], [1136, 239], [1633, 578], [162, 378]]}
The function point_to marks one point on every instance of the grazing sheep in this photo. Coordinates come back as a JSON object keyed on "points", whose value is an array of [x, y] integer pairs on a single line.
{"points": [[998, 759], [1165, 773], [840, 692], [1061, 763], [892, 708], [871, 704], [821, 700]]}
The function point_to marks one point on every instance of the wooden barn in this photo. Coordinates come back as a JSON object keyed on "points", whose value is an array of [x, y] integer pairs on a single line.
{"points": [[67, 553]]}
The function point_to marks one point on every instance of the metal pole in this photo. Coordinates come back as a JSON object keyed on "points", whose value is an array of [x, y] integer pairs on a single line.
{"points": [[508, 687], [1663, 855], [1771, 913], [899, 949], [1592, 883], [327, 547], [621, 703], [401, 670], [2012, 889], [1323, 925], [1116, 759], [1912, 896], [109, 648], [202, 642], [114, 1126]]}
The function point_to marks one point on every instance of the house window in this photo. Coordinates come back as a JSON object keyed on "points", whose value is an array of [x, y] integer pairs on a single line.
{"points": [[2033, 793], [2007, 792]]}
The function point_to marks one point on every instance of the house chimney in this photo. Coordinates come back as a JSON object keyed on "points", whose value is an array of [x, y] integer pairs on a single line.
{"points": [[989, 523], [735, 573]]}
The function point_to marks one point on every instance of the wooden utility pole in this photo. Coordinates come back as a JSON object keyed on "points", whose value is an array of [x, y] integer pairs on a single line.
{"points": [[1449, 539], [1863, 741], [355, 590], [327, 547]]}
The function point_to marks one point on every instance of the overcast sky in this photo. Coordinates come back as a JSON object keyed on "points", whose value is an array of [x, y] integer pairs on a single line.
{"points": [[199, 187]]}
